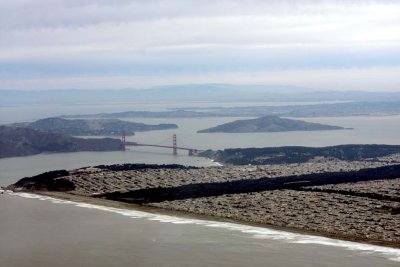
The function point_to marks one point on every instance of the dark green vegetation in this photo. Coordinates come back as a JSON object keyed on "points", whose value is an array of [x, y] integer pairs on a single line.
{"points": [[16, 142], [160, 194], [357, 194], [298, 154], [107, 127], [268, 124], [53, 181], [49, 181]]}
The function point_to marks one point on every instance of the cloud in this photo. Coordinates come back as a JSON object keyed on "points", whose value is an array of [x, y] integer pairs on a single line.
{"points": [[77, 13], [48, 40]]}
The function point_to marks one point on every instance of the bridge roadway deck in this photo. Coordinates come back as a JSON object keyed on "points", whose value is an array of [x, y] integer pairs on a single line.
{"points": [[163, 146]]}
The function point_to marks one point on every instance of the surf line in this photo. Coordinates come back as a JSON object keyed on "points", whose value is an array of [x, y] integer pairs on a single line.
{"points": [[392, 254]]}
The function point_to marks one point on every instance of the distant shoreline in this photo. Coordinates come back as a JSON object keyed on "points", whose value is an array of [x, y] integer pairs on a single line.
{"points": [[343, 109]]}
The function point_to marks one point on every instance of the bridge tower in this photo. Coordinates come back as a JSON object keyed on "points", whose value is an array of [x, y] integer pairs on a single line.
{"points": [[123, 140], [174, 145]]}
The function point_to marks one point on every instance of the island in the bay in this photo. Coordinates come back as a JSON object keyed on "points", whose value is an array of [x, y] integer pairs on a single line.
{"points": [[268, 123], [348, 192], [92, 127]]}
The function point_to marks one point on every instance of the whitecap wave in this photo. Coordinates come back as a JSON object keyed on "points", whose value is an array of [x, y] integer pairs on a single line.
{"points": [[255, 232]]}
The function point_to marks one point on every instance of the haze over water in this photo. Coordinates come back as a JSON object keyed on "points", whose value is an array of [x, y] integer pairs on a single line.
{"points": [[85, 234], [124, 45], [366, 130]]}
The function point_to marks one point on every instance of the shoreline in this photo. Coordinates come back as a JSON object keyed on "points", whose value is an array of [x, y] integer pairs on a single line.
{"points": [[197, 216], [342, 200]]}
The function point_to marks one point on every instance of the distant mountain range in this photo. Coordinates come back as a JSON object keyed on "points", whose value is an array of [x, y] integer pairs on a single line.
{"points": [[102, 127], [268, 124], [191, 93], [310, 110], [16, 142]]}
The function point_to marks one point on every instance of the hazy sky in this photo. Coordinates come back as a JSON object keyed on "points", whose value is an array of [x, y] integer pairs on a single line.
{"points": [[59, 44]]}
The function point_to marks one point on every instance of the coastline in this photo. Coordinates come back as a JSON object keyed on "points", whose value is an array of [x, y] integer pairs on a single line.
{"points": [[341, 200], [196, 216]]}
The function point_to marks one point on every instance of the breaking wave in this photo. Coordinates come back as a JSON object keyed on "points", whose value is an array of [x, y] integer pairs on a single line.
{"points": [[254, 231]]}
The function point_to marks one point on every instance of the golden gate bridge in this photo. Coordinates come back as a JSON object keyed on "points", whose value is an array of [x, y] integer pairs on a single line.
{"points": [[174, 146]]}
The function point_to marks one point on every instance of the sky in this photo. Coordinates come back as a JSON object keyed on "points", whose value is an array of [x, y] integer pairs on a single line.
{"points": [[102, 44]]}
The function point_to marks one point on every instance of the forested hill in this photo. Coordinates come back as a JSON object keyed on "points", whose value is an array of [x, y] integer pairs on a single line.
{"points": [[299, 154], [16, 142]]}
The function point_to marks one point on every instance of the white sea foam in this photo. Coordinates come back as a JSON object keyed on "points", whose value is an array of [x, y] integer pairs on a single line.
{"points": [[255, 232], [216, 163]]}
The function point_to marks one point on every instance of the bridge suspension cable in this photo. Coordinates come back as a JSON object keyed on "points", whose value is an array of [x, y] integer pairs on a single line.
{"points": [[174, 146]]}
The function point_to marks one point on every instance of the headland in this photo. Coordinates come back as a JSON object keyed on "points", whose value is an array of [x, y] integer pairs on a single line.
{"points": [[354, 200]]}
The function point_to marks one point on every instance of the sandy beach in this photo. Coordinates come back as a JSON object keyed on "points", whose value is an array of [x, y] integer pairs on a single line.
{"points": [[365, 210]]}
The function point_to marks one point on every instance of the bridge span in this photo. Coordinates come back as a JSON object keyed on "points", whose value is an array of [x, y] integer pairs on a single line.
{"points": [[174, 146]]}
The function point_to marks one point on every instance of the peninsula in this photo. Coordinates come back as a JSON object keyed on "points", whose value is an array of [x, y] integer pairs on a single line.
{"points": [[16, 141], [268, 124], [336, 195], [88, 127], [299, 154]]}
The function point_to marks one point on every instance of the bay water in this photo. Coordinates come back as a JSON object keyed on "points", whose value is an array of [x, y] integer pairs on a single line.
{"points": [[41, 231]]}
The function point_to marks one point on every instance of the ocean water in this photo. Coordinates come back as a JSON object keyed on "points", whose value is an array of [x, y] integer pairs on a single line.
{"points": [[43, 231]]}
